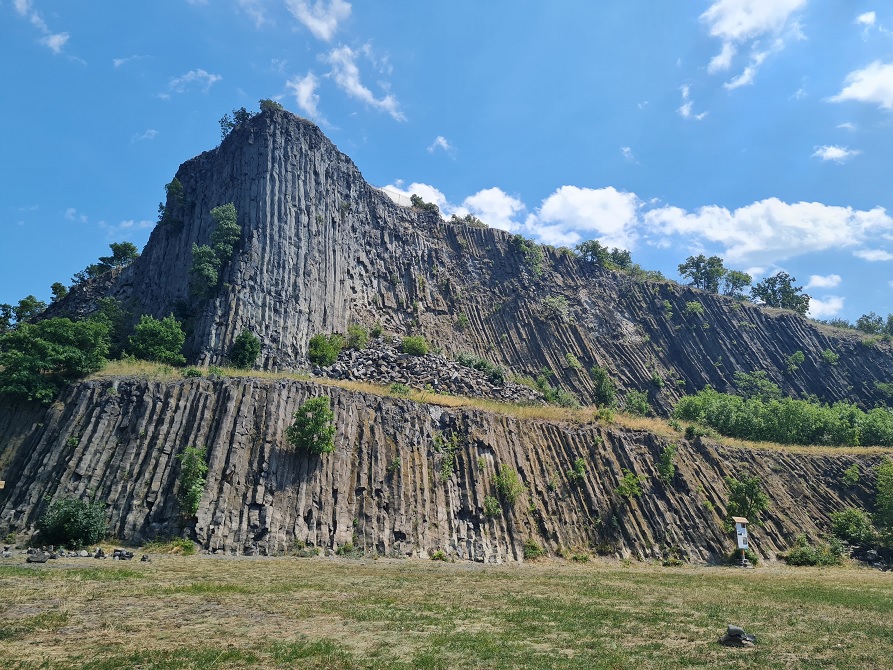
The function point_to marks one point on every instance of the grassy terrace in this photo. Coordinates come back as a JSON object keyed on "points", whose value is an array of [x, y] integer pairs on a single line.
{"points": [[147, 370], [212, 612]]}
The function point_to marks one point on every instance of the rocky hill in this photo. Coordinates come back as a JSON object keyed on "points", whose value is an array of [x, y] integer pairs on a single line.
{"points": [[320, 249]]}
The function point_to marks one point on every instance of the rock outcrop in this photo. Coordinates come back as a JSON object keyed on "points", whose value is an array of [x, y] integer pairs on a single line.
{"points": [[322, 249], [406, 478]]}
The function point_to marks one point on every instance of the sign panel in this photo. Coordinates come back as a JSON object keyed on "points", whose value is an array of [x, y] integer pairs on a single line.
{"points": [[742, 536]]}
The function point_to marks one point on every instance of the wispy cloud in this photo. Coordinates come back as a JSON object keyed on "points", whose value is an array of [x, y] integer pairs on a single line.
{"points": [[627, 153], [873, 255], [873, 83], [254, 9], [685, 111], [193, 79], [322, 17], [722, 60], [149, 134], [346, 75], [53, 41], [71, 214], [835, 153], [867, 19], [440, 142], [306, 97], [818, 281], [847, 126], [118, 62]]}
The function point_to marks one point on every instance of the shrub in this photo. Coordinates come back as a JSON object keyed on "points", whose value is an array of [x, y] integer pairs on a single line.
{"points": [[852, 525], [313, 428], [492, 507], [666, 469], [749, 554], [158, 340], [414, 345], [694, 309], [323, 350], [438, 555], [73, 523], [805, 553], [533, 253], [462, 321], [630, 484], [245, 350], [176, 545], [604, 392], [572, 362], [192, 480], [576, 474], [830, 357], [495, 374], [636, 403], [376, 330], [558, 307], [532, 550], [192, 372], [794, 361], [400, 389], [508, 484], [850, 476], [883, 515], [357, 336]]}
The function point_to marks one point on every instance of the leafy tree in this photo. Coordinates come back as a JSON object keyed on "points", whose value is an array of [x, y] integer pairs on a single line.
{"points": [[746, 498], [226, 232], [735, 282], [229, 123], [28, 308], [118, 321], [703, 273], [267, 105], [245, 350], [123, 253], [208, 260], [757, 385], [59, 291], [357, 336], [174, 193], [323, 350], [6, 317], [417, 202], [193, 469], [203, 273], [636, 403], [630, 485], [850, 476], [883, 509], [414, 345], [852, 525], [73, 523], [313, 428], [594, 253], [38, 360], [158, 340], [870, 323], [604, 393], [508, 484], [779, 291], [666, 468]]}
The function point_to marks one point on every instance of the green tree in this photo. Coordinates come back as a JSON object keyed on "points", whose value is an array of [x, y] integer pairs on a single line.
{"points": [[883, 507], [735, 282], [418, 203], [59, 291], [73, 523], [870, 323], [245, 350], [193, 469], [208, 260], [746, 498], [757, 385], [123, 254], [158, 340], [227, 232], [604, 392], [267, 105], [630, 485], [702, 272], [203, 273], [323, 350], [508, 484], [229, 123], [175, 198], [38, 360], [779, 291], [6, 317], [27, 308], [594, 253], [313, 428]]}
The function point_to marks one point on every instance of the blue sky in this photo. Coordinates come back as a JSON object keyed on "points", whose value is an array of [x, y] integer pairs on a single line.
{"points": [[758, 130]]}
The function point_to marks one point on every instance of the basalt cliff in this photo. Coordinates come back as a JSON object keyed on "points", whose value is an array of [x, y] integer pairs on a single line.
{"points": [[321, 249]]}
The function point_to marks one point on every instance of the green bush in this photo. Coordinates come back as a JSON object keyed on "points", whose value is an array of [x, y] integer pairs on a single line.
{"points": [[245, 350], [853, 525], [636, 403], [746, 498], [630, 485], [806, 554], [189, 373], [492, 507], [400, 389], [158, 340], [850, 476], [508, 484], [694, 309], [830, 357], [532, 550], [357, 336], [414, 345], [495, 374], [666, 469], [604, 393], [323, 350], [313, 428], [883, 506], [73, 523], [209, 259], [192, 480]]}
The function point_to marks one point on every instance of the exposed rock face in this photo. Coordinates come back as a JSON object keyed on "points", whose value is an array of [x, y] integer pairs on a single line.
{"points": [[321, 249], [391, 486]]}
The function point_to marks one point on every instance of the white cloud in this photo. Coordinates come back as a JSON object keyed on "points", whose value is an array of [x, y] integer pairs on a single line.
{"points": [[304, 90], [426, 192], [254, 9], [685, 111], [873, 255], [738, 22], [627, 153], [870, 84], [867, 19], [495, 207], [346, 75], [149, 134], [770, 230], [825, 307], [605, 213], [440, 142], [818, 281], [722, 60], [847, 126], [118, 62], [194, 77], [834, 153], [135, 225], [55, 42], [71, 214], [321, 18], [742, 20]]}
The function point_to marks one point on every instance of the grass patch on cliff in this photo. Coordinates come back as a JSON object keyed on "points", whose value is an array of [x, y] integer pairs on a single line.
{"points": [[221, 612]]}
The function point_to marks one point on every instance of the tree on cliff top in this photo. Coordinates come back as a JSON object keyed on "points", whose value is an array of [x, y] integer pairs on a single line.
{"points": [[158, 340], [702, 272], [779, 291]]}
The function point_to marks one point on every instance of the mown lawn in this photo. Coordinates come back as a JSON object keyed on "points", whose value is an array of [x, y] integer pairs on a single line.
{"points": [[216, 612]]}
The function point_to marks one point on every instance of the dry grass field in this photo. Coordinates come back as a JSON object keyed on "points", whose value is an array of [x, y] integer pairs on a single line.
{"points": [[228, 612]]}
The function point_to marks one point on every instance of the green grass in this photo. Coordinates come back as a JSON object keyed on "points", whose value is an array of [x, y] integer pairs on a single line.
{"points": [[214, 612]]}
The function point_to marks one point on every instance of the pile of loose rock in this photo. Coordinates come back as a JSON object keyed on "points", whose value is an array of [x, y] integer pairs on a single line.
{"points": [[50, 553], [382, 362]]}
